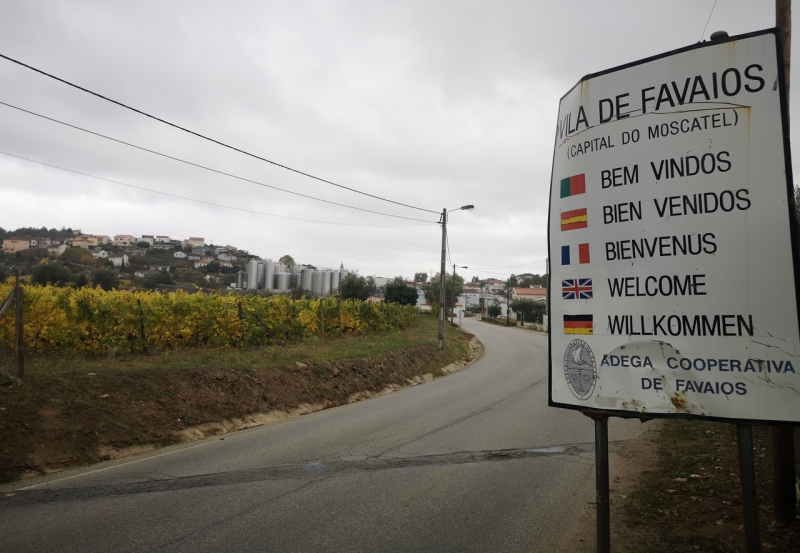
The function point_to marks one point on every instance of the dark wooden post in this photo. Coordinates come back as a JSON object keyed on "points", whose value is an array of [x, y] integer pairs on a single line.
{"points": [[20, 330], [141, 326], [783, 447]]}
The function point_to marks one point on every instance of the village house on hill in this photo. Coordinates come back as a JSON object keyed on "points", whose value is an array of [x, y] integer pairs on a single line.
{"points": [[537, 293]]}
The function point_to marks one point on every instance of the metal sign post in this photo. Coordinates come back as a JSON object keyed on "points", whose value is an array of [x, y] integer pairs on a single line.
{"points": [[674, 289]]}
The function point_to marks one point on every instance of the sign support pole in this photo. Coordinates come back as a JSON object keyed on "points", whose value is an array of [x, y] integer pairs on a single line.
{"points": [[783, 469], [602, 484], [744, 435]]}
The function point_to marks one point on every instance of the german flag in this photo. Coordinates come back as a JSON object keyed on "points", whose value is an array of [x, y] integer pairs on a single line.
{"points": [[572, 186], [574, 219], [578, 324]]}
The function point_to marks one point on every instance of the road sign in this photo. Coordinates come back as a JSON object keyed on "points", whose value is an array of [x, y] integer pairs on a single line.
{"points": [[673, 282]]}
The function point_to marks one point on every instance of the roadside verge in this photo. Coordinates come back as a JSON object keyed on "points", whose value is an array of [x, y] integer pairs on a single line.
{"points": [[60, 419]]}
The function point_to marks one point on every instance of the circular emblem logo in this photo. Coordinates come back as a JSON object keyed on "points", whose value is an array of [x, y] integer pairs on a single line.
{"points": [[580, 369]]}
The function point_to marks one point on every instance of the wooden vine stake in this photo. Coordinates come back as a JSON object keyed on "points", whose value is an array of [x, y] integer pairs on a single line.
{"points": [[19, 333]]}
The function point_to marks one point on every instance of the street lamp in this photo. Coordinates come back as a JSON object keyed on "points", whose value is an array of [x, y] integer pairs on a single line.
{"points": [[442, 271]]}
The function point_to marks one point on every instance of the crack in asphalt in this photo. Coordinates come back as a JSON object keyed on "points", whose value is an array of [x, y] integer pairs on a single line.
{"points": [[462, 419], [303, 471]]}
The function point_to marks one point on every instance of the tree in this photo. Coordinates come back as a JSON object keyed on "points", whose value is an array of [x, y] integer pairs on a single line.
{"points": [[213, 267], [105, 278], [534, 280], [397, 291], [50, 273], [154, 278], [452, 288], [512, 281], [81, 281], [531, 310], [357, 287], [300, 293], [3, 273], [77, 255], [494, 311], [143, 244], [420, 277], [287, 260]]}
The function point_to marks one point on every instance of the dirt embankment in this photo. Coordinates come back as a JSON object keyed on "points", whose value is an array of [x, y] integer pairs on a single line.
{"points": [[49, 423]]}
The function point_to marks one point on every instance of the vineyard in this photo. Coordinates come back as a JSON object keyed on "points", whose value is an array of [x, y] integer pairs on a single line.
{"points": [[94, 321]]}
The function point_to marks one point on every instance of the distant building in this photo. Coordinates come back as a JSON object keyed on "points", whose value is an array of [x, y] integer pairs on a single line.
{"points": [[12, 245], [100, 254], [124, 240], [226, 257], [201, 263], [196, 242], [162, 240], [149, 239], [118, 259], [179, 255], [56, 249], [538, 293]]}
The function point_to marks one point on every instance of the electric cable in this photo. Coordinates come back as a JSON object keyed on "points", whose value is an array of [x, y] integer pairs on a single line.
{"points": [[203, 201], [208, 138], [208, 168], [708, 20], [514, 266]]}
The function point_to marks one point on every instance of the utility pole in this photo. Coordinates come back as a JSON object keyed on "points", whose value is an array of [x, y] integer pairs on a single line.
{"points": [[508, 302], [783, 467], [452, 309], [442, 277]]}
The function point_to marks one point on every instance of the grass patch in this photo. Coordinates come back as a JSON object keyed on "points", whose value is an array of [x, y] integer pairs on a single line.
{"points": [[691, 501]]}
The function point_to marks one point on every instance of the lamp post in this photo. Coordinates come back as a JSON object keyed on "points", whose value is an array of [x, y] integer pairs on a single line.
{"points": [[454, 290], [442, 273]]}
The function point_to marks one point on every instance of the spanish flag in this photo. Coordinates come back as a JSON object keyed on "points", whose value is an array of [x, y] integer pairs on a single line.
{"points": [[574, 219], [578, 324], [572, 186]]}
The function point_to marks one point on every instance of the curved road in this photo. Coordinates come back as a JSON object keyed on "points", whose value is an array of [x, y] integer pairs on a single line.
{"points": [[475, 461]]}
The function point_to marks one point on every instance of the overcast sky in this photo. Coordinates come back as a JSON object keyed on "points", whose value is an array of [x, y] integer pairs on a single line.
{"points": [[429, 103]]}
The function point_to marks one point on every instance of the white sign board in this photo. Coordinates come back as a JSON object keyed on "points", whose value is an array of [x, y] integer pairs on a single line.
{"points": [[673, 288]]}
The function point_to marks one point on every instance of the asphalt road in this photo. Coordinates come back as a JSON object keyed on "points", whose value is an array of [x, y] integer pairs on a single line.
{"points": [[475, 461]]}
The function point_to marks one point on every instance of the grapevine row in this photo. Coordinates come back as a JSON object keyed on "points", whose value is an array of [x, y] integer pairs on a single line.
{"points": [[94, 321]]}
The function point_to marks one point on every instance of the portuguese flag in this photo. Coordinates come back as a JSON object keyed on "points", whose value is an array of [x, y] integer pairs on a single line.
{"points": [[578, 324], [574, 219], [572, 186]]}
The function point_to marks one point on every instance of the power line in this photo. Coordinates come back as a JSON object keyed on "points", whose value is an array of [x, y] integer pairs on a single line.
{"points": [[514, 266], [208, 138], [208, 168], [708, 20], [200, 201]]}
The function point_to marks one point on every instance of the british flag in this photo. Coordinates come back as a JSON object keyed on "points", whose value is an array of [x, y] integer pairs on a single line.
{"points": [[577, 289]]}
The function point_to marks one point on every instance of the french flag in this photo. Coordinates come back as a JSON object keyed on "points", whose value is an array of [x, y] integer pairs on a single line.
{"points": [[573, 255]]}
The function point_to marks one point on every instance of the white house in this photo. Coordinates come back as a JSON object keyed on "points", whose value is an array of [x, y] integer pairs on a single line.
{"points": [[100, 254], [226, 257], [56, 249], [149, 239], [196, 242], [202, 263], [179, 255], [118, 259], [162, 240]]}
